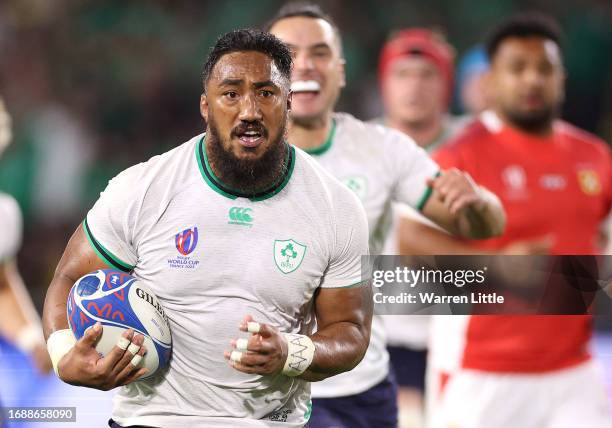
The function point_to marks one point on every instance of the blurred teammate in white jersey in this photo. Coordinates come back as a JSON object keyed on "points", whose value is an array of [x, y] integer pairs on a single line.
{"points": [[19, 321], [380, 165]]}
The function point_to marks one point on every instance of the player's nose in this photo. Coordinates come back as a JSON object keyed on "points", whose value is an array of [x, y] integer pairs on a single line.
{"points": [[303, 62], [249, 109]]}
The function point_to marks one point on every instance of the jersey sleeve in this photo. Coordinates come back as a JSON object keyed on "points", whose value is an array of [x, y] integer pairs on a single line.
{"points": [[11, 224], [412, 167], [448, 157], [350, 242], [111, 225]]}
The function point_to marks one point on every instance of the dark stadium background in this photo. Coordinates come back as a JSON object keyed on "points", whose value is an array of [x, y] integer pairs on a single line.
{"points": [[94, 87]]}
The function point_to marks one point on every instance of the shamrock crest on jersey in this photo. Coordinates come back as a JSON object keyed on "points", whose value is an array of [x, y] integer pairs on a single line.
{"points": [[288, 254]]}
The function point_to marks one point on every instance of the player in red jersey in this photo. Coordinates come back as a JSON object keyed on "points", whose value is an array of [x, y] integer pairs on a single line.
{"points": [[555, 182]]}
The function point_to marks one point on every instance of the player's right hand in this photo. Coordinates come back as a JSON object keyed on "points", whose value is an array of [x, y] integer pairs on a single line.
{"points": [[83, 365]]}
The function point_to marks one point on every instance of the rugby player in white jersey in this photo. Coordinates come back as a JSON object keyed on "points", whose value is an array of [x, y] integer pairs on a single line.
{"points": [[19, 321], [279, 246], [380, 165]]}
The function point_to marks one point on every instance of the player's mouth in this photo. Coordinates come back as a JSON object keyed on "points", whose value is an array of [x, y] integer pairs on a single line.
{"points": [[305, 89], [251, 136], [533, 100]]}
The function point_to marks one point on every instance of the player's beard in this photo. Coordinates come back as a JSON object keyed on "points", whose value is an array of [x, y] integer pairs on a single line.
{"points": [[248, 176], [534, 121]]}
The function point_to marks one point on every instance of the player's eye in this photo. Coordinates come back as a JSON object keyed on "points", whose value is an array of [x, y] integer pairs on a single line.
{"points": [[516, 67], [321, 53], [266, 93], [231, 94]]}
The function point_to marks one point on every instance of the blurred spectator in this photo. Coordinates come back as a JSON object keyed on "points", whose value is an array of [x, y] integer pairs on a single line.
{"points": [[416, 80], [471, 91]]}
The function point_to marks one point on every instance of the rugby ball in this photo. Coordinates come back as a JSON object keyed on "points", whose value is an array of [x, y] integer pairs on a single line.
{"points": [[119, 301]]}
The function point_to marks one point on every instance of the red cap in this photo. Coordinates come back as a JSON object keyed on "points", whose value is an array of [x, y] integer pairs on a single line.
{"points": [[422, 42]]}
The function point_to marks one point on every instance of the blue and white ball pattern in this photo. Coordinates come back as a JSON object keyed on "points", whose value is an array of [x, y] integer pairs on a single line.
{"points": [[119, 302]]}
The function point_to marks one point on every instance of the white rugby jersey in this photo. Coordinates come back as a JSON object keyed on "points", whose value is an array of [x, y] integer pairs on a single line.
{"points": [[212, 257], [11, 226], [381, 166], [412, 331]]}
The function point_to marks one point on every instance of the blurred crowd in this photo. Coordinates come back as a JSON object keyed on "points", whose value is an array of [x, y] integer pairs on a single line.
{"points": [[94, 87]]}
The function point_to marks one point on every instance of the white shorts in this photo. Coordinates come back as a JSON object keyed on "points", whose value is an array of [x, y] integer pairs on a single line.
{"points": [[573, 397]]}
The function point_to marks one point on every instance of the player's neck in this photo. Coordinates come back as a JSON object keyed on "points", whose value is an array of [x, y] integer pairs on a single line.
{"points": [[423, 133], [311, 135]]}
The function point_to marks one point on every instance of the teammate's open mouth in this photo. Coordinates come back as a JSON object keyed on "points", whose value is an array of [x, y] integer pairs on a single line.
{"points": [[306, 88]]}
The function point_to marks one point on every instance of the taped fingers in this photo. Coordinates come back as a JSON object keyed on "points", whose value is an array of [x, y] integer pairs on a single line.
{"points": [[253, 327], [235, 356], [111, 359], [242, 344], [133, 349], [123, 343], [125, 375]]}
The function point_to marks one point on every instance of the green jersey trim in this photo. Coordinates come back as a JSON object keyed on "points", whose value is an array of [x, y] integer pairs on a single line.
{"points": [[319, 150], [215, 184], [426, 195], [105, 255], [308, 411]]}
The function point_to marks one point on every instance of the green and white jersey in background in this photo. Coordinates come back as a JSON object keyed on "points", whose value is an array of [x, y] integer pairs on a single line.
{"points": [[213, 256], [380, 165]]}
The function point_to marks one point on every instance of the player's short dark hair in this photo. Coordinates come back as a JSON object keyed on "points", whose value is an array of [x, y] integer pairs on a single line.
{"points": [[531, 24], [249, 40], [304, 9]]}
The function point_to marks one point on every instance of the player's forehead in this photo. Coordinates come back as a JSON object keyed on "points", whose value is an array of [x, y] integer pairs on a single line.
{"points": [[245, 66], [303, 32], [534, 48], [413, 63]]}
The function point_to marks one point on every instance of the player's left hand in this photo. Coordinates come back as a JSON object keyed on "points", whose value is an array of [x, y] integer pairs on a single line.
{"points": [[264, 352], [457, 190]]}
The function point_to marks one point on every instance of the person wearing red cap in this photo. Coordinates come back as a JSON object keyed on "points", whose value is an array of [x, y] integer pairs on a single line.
{"points": [[416, 81], [380, 165]]}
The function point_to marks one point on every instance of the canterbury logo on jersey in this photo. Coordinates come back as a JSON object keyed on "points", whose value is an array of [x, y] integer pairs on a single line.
{"points": [[240, 216]]}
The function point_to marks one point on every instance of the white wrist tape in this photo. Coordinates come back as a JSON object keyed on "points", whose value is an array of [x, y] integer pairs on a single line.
{"points": [[29, 337], [300, 352], [59, 344]]}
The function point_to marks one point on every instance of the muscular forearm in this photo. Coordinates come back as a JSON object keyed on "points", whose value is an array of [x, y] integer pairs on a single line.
{"points": [[54, 312], [338, 348], [78, 259], [416, 238]]}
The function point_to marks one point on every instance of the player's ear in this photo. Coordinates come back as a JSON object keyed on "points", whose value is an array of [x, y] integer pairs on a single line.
{"points": [[342, 66], [204, 107], [289, 99]]}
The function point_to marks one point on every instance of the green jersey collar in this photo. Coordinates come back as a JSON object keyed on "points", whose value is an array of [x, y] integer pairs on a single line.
{"points": [[217, 186], [319, 150]]}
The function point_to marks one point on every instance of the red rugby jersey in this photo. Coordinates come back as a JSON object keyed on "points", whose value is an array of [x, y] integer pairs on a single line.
{"points": [[560, 185]]}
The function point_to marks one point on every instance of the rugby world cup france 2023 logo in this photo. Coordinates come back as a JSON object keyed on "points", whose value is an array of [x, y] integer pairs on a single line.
{"points": [[185, 243]]}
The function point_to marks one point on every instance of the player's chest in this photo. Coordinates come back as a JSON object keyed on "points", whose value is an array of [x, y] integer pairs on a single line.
{"points": [[366, 178], [237, 248]]}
